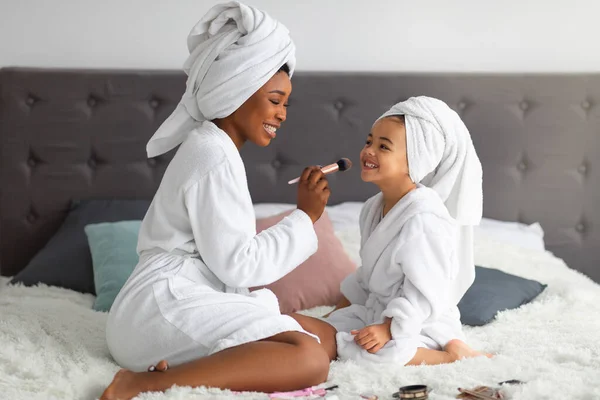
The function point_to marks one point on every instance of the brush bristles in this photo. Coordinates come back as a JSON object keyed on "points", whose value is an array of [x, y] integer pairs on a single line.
{"points": [[344, 164]]}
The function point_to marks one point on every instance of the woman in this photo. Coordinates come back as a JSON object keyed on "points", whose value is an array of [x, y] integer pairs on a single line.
{"points": [[187, 300]]}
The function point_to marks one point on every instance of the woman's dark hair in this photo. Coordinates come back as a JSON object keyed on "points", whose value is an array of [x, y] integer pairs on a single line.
{"points": [[285, 69]]}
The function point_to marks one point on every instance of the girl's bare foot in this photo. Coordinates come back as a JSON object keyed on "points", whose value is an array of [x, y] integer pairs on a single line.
{"points": [[126, 385], [162, 366], [459, 350]]}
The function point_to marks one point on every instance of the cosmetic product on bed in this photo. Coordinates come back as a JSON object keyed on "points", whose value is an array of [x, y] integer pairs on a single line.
{"points": [[315, 391], [512, 382], [341, 165], [480, 392], [420, 392], [486, 392]]}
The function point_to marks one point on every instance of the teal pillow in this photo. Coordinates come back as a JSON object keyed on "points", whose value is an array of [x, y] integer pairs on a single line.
{"points": [[114, 256]]}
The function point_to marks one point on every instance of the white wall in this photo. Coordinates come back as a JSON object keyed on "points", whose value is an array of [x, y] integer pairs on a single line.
{"points": [[388, 35]]}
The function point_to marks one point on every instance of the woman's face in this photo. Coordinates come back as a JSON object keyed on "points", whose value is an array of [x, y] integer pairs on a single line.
{"points": [[258, 119]]}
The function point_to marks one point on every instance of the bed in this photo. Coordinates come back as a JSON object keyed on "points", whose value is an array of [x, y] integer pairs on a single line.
{"points": [[81, 134]]}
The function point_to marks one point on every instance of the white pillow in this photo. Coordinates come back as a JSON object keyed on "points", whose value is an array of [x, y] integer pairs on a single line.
{"points": [[345, 216], [342, 216], [516, 233]]}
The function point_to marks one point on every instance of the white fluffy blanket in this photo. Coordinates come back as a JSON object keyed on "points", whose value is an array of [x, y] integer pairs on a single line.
{"points": [[52, 343]]}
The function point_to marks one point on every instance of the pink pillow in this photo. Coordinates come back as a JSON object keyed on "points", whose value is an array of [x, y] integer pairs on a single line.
{"points": [[315, 282]]}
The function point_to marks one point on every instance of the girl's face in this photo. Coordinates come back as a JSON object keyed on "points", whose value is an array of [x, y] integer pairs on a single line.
{"points": [[258, 119], [383, 159]]}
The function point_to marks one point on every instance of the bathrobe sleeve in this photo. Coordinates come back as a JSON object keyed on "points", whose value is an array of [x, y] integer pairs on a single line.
{"points": [[353, 286], [224, 228], [353, 290], [428, 261]]}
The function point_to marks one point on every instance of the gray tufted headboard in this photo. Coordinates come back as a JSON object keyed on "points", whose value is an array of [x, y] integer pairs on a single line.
{"points": [[68, 134]]}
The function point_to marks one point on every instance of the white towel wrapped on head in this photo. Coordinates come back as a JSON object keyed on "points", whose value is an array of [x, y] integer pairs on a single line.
{"points": [[441, 156], [234, 50]]}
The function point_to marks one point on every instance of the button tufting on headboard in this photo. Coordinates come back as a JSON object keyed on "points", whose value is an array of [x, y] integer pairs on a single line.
{"points": [[92, 163], [32, 160], [462, 107], [586, 105], [32, 216], [154, 103], [92, 101], [31, 100], [580, 227], [524, 105]]}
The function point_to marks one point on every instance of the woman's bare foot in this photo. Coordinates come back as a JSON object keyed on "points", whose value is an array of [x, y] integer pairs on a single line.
{"points": [[126, 385], [459, 350]]}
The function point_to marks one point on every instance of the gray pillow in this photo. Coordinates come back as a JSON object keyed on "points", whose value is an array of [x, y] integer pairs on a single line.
{"points": [[495, 291], [66, 260]]}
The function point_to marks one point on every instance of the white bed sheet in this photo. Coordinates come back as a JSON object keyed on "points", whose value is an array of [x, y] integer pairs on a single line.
{"points": [[52, 343]]}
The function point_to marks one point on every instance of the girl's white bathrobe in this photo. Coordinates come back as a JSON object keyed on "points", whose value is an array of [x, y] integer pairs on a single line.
{"points": [[408, 273], [199, 252]]}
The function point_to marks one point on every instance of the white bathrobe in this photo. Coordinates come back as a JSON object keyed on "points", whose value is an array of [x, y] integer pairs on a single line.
{"points": [[409, 270], [199, 252]]}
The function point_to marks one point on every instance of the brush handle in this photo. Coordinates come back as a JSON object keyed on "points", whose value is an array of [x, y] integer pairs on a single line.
{"points": [[328, 169]]}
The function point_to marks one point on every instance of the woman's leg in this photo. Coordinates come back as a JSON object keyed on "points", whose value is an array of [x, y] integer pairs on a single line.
{"points": [[287, 361], [322, 329], [455, 350]]}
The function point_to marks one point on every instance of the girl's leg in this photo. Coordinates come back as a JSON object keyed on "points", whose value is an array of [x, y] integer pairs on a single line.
{"points": [[287, 361], [322, 329], [455, 350]]}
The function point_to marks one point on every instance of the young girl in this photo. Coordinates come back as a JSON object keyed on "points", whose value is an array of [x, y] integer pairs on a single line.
{"points": [[187, 301], [417, 243]]}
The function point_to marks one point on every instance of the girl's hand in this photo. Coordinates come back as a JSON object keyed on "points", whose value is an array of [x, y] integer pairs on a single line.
{"points": [[373, 337]]}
